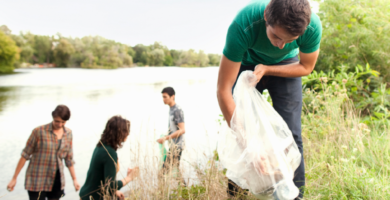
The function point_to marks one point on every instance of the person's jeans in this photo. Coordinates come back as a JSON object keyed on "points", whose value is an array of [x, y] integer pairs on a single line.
{"points": [[286, 95]]}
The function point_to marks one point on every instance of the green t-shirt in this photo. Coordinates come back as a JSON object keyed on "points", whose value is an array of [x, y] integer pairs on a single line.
{"points": [[247, 40]]}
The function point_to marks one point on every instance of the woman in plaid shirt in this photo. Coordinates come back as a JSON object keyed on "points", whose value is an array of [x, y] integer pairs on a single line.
{"points": [[46, 147]]}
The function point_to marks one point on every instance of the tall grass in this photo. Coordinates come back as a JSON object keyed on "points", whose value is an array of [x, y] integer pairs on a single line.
{"points": [[345, 159]]}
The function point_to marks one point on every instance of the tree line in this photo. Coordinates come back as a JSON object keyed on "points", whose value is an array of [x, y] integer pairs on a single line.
{"points": [[92, 52]]}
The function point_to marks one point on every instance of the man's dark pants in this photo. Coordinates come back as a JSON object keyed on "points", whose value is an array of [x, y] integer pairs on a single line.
{"points": [[286, 94]]}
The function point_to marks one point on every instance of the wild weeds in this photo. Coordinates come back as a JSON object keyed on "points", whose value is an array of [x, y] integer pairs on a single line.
{"points": [[345, 158]]}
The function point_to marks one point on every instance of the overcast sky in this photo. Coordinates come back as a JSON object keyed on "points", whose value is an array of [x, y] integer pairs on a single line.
{"points": [[178, 24]]}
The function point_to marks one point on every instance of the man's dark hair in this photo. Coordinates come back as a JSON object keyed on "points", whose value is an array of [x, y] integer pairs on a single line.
{"points": [[61, 111], [169, 90], [117, 129], [292, 15]]}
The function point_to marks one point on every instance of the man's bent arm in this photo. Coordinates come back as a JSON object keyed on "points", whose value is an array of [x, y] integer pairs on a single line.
{"points": [[227, 75], [177, 133], [303, 68]]}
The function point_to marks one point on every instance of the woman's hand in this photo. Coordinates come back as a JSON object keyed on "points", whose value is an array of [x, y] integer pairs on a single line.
{"points": [[11, 185], [76, 185], [133, 173], [120, 195]]}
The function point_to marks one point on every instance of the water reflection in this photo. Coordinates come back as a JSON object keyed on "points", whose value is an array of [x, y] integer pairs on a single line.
{"points": [[27, 99], [4, 96]]}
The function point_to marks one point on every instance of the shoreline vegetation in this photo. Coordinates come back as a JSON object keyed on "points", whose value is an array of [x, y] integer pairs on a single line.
{"points": [[26, 50]]}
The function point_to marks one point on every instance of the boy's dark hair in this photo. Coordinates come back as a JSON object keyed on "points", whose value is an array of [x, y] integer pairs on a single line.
{"points": [[292, 15], [169, 90], [61, 111], [117, 129]]}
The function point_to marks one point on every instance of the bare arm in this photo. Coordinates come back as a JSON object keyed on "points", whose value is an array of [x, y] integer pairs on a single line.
{"points": [[131, 175], [72, 172], [227, 75], [19, 167], [303, 68], [177, 133], [31, 146], [70, 164]]}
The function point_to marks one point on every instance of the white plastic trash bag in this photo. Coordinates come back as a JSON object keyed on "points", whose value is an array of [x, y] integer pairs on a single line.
{"points": [[258, 151]]}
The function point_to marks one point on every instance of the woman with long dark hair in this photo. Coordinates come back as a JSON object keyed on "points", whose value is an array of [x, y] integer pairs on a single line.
{"points": [[101, 177], [46, 147]]}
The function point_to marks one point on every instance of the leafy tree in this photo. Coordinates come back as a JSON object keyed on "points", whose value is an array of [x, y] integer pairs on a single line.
{"points": [[131, 52], [157, 45], [63, 52], [43, 49], [127, 60], [144, 58], [141, 54], [187, 58], [191, 58], [203, 59], [157, 57], [355, 32], [90, 61], [214, 59], [8, 53], [26, 43], [25, 49], [26, 53], [111, 59], [80, 53], [175, 55], [168, 60]]}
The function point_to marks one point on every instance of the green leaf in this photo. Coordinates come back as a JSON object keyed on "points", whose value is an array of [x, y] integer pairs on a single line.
{"points": [[379, 115]]}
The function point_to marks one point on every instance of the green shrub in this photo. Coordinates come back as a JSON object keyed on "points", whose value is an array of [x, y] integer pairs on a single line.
{"points": [[9, 53], [362, 85], [355, 32]]}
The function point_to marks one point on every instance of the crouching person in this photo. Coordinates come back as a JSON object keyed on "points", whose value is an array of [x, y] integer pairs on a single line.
{"points": [[101, 177]]}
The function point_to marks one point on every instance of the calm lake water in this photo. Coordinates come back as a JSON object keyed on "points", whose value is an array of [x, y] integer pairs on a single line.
{"points": [[93, 96]]}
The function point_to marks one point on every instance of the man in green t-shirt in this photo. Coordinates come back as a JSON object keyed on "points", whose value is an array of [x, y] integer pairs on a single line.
{"points": [[267, 36]]}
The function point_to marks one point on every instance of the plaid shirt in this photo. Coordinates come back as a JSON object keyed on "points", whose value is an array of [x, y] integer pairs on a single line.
{"points": [[41, 150]]}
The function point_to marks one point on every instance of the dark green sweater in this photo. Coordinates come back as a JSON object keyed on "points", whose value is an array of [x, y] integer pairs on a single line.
{"points": [[101, 169]]}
